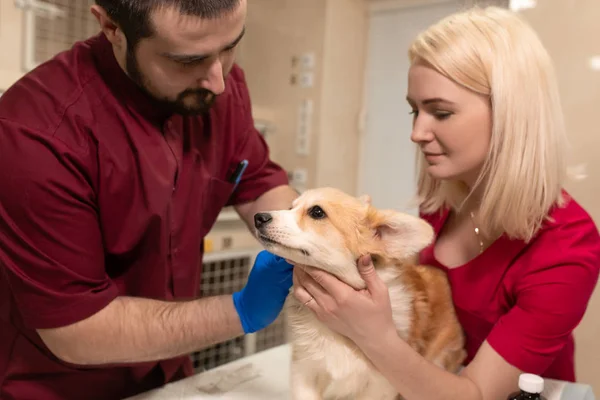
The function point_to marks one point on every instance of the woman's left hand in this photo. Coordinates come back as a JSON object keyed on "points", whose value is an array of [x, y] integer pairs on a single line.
{"points": [[360, 315]]}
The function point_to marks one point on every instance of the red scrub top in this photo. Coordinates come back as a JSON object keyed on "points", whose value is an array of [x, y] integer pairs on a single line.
{"points": [[103, 195], [526, 299]]}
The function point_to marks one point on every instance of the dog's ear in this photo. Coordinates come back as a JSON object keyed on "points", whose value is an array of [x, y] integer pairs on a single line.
{"points": [[365, 199], [400, 236]]}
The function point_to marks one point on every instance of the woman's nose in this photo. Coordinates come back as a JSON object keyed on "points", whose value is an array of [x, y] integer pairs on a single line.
{"points": [[421, 132]]}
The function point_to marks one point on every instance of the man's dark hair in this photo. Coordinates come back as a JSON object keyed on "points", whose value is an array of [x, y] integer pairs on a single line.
{"points": [[133, 16]]}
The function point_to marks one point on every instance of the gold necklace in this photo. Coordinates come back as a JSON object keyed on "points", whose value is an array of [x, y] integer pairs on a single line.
{"points": [[477, 233]]}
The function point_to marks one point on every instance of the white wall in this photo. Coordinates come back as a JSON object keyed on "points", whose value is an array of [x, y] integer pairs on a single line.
{"points": [[388, 156]]}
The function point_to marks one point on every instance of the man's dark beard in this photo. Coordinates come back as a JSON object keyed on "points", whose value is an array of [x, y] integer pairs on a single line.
{"points": [[204, 98]]}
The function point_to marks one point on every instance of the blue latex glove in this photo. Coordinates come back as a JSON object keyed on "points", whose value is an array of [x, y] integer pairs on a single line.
{"points": [[259, 303]]}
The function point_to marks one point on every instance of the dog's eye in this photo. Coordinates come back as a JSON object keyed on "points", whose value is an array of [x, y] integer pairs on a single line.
{"points": [[316, 212]]}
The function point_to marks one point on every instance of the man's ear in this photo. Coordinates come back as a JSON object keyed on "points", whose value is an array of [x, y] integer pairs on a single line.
{"points": [[400, 235], [110, 29]]}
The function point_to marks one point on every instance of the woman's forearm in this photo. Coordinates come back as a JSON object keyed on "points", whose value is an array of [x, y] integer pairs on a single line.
{"points": [[414, 377]]}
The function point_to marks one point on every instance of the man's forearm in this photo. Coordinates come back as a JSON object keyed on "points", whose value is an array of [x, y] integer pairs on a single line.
{"points": [[280, 198], [135, 330], [414, 377]]}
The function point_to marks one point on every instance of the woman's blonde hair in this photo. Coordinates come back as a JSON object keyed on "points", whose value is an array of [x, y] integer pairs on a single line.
{"points": [[493, 52]]}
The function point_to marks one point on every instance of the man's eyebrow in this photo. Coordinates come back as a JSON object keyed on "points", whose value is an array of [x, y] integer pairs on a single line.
{"points": [[237, 40], [189, 58]]}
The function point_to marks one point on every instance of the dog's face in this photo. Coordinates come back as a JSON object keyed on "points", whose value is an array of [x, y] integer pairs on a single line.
{"points": [[330, 230]]}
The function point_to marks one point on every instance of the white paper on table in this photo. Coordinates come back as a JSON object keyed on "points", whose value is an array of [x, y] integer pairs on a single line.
{"points": [[225, 381]]}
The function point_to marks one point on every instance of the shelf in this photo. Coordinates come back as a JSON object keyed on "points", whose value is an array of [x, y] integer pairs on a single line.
{"points": [[228, 216]]}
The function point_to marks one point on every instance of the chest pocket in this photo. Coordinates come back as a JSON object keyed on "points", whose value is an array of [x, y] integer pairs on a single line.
{"points": [[214, 199]]}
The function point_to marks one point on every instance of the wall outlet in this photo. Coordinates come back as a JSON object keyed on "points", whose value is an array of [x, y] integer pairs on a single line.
{"points": [[307, 60], [306, 79], [300, 176], [298, 179], [303, 130]]}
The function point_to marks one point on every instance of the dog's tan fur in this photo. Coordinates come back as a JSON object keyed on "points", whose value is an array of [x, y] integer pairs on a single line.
{"points": [[328, 365]]}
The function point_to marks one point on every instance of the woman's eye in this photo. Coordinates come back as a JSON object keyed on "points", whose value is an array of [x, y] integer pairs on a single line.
{"points": [[441, 115], [316, 212], [414, 112]]}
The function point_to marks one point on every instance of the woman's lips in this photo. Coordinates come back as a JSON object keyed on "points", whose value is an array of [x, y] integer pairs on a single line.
{"points": [[433, 156]]}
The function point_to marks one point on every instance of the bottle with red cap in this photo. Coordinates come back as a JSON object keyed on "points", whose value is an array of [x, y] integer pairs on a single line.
{"points": [[531, 388]]}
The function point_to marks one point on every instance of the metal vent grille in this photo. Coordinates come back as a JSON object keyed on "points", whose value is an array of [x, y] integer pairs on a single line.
{"points": [[225, 273], [219, 354], [52, 26], [54, 35], [222, 275], [273, 335]]}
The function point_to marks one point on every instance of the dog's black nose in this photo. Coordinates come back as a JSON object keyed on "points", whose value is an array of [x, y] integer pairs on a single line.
{"points": [[262, 219]]}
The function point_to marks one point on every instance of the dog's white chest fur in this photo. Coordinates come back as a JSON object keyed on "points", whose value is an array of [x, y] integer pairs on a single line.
{"points": [[326, 363]]}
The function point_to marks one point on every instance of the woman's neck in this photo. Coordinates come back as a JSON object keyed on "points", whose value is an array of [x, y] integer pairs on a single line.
{"points": [[475, 192]]}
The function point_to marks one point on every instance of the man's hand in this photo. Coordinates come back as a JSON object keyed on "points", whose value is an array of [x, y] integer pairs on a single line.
{"points": [[259, 303]]}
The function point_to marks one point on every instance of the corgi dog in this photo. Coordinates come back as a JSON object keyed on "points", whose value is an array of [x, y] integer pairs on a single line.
{"points": [[330, 230]]}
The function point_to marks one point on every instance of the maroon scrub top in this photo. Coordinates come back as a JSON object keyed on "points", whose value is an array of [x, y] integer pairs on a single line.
{"points": [[102, 194]]}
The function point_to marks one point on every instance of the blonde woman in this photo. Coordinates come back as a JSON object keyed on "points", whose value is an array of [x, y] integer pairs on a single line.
{"points": [[521, 255]]}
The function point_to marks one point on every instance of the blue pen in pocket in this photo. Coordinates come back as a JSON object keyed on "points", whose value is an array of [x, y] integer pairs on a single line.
{"points": [[237, 174]]}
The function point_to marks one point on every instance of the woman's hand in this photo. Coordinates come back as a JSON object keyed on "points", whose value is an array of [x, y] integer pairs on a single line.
{"points": [[360, 315]]}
